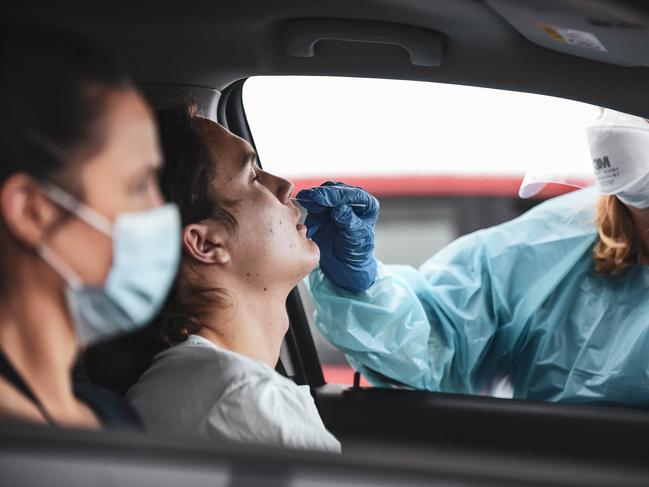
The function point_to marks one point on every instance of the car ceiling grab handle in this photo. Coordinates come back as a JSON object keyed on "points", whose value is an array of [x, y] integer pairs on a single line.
{"points": [[425, 47]]}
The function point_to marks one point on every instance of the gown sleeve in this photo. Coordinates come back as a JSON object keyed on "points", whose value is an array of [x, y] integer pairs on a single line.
{"points": [[458, 321]]}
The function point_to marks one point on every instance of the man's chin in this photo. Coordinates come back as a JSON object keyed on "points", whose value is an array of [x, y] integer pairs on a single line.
{"points": [[309, 265]]}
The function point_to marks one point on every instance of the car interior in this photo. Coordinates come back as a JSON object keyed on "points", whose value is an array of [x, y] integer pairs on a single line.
{"points": [[592, 51]]}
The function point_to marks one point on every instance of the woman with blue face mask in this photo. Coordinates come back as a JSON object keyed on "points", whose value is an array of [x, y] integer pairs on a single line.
{"points": [[88, 248]]}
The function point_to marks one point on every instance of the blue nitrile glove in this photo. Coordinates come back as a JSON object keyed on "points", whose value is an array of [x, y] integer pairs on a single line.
{"points": [[344, 233]]}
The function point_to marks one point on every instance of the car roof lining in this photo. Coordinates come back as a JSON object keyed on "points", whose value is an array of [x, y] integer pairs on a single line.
{"points": [[214, 43]]}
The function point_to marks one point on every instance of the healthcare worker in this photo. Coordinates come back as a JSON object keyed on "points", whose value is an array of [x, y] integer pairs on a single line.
{"points": [[88, 249], [557, 299]]}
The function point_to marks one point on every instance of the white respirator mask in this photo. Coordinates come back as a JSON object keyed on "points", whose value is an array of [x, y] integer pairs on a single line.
{"points": [[619, 148]]}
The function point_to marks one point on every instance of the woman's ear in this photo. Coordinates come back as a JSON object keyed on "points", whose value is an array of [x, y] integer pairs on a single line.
{"points": [[207, 242], [26, 212]]}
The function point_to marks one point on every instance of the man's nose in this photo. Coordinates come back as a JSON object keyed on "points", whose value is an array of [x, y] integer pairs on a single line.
{"points": [[284, 189]]}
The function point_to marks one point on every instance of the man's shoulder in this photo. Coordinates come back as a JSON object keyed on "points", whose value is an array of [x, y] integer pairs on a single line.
{"points": [[187, 380], [204, 362]]}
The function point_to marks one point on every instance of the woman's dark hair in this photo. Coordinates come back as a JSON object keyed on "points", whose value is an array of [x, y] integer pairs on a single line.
{"points": [[53, 85]]}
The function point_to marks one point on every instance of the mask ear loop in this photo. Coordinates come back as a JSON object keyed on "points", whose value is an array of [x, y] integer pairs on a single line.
{"points": [[83, 212], [60, 267], [70, 203]]}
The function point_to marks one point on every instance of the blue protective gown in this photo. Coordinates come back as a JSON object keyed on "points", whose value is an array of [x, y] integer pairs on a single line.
{"points": [[521, 298]]}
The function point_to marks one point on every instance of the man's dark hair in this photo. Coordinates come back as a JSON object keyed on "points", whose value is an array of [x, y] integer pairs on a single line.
{"points": [[187, 179]]}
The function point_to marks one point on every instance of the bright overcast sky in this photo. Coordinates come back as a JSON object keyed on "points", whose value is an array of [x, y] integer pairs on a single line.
{"points": [[326, 126]]}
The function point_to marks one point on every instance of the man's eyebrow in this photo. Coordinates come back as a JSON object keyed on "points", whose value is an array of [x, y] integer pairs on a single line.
{"points": [[249, 158]]}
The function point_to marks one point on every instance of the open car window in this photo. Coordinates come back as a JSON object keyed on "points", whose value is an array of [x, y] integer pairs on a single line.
{"points": [[444, 160]]}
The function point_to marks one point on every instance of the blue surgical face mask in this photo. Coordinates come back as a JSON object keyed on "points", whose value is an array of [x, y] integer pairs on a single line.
{"points": [[146, 251]]}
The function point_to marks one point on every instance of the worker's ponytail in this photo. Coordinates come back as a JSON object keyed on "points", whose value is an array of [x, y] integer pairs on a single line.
{"points": [[619, 246]]}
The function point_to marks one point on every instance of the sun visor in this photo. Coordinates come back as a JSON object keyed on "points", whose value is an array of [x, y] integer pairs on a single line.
{"points": [[612, 31]]}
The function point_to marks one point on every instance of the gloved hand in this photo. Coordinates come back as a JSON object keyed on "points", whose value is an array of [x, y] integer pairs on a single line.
{"points": [[344, 233]]}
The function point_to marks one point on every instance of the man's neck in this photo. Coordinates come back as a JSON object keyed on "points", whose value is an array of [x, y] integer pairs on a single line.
{"points": [[254, 327]]}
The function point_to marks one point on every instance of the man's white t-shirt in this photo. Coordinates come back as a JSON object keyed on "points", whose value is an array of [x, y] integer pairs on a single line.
{"points": [[199, 388]]}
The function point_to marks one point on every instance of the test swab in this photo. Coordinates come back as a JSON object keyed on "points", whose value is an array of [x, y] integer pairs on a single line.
{"points": [[353, 205], [303, 212]]}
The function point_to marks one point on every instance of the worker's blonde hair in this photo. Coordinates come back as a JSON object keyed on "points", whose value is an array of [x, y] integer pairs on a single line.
{"points": [[619, 245]]}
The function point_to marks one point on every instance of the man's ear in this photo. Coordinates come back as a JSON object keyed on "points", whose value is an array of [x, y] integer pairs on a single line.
{"points": [[207, 242], [26, 212]]}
